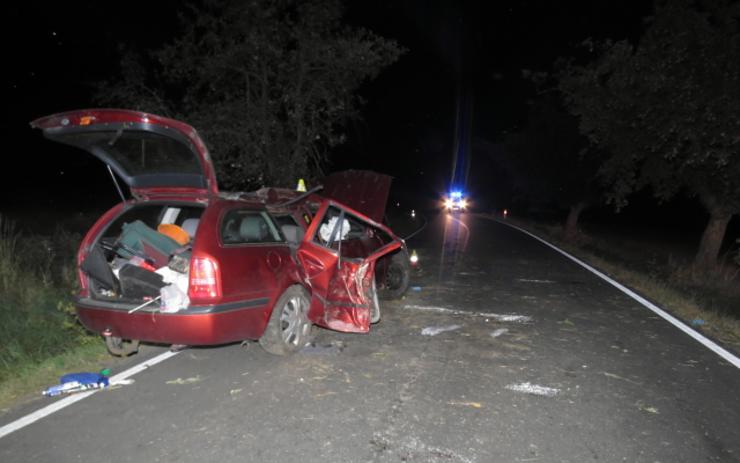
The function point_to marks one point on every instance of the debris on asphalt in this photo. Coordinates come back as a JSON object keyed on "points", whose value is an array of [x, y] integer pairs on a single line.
{"points": [[466, 404], [533, 389], [191, 380], [234, 392], [511, 318], [526, 280], [434, 309], [85, 381], [612, 375], [697, 322], [120, 382], [647, 408], [498, 332], [435, 330], [334, 347], [77, 382]]}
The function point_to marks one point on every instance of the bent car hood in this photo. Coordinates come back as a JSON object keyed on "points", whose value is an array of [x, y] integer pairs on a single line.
{"points": [[150, 153], [362, 190]]}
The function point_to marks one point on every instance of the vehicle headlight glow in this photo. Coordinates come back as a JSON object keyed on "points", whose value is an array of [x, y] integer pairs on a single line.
{"points": [[449, 203]]}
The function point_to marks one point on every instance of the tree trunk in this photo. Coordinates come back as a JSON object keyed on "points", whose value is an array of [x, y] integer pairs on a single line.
{"points": [[571, 223], [711, 240]]}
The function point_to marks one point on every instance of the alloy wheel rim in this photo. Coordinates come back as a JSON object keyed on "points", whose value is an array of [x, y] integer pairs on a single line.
{"points": [[294, 322]]}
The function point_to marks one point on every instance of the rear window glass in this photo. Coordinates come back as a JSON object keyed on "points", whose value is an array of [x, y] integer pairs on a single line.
{"points": [[139, 152], [241, 226], [286, 220]]}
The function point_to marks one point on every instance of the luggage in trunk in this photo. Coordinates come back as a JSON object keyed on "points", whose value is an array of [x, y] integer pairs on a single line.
{"points": [[139, 283], [139, 239]]}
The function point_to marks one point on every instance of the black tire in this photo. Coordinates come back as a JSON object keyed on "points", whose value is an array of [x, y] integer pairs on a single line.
{"points": [[121, 347], [397, 276], [289, 329]]}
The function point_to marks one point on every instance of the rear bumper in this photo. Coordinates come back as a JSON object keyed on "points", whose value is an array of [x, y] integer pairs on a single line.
{"points": [[198, 325]]}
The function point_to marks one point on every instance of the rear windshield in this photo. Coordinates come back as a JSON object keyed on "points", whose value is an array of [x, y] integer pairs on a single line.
{"points": [[138, 152]]}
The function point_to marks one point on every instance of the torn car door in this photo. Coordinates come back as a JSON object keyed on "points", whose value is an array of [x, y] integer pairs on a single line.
{"points": [[339, 266]]}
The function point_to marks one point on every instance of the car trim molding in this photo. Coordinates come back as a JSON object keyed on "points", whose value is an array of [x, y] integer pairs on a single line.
{"points": [[347, 304], [88, 303]]}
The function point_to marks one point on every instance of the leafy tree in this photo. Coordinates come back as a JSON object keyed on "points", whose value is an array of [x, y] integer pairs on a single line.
{"points": [[668, 112], [269, 83], [552, 164]]}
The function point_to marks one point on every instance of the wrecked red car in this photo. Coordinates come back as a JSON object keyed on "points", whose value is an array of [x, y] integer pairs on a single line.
{"points": [[182, 263]]}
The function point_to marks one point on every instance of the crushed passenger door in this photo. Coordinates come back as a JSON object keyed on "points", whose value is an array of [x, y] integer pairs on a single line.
{"points": [[338, 255]]}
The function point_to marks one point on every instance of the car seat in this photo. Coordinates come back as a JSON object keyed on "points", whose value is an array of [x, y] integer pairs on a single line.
{"points": [[251, 229]]}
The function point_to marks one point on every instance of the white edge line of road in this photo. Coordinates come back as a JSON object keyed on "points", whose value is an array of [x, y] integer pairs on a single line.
{"points": [[706, 342], [67, 401]]}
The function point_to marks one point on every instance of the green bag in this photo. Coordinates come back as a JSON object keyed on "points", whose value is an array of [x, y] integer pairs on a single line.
{"points": [[137, 238]]}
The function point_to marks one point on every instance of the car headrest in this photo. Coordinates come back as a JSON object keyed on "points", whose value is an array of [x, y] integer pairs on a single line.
{"points": [[250, 228]]}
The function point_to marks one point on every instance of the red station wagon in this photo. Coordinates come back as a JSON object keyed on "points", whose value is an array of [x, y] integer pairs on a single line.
{"points": [[182, 263]]}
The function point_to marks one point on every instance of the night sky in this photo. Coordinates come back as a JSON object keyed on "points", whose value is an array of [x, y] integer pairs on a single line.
{"points": [[466, 55]]}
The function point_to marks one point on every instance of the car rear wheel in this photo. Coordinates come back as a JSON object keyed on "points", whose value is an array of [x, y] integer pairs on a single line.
{"points": [[289, 328], [121, 347], [397, 276]]}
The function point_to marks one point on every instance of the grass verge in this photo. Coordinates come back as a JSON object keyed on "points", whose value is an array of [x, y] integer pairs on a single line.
{"points": [[40, 337], [666, 286], [29, 380]]}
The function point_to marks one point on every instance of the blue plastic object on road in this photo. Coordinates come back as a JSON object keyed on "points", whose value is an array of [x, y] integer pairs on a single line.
{"points": [[76, 382]]}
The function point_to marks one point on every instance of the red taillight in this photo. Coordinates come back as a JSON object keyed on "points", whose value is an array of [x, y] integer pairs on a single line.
{"points": [[205, 279]]}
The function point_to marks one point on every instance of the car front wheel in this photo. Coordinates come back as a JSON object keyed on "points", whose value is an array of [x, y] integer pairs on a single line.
{"points": [[397, 276], [289, 328]]}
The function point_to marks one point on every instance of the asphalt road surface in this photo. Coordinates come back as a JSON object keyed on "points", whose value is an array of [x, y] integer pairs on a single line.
{"points": [[503, 351]]}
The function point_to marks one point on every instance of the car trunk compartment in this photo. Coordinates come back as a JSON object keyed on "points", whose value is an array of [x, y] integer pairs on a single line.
{"points": [[130, 262]]}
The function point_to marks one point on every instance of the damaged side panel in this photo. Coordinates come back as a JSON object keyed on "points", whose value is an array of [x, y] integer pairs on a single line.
{"points": [[338, 256], [347, 305]]}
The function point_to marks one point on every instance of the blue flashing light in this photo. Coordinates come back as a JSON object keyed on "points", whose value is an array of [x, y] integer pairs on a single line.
{"points": [[456, 194]]}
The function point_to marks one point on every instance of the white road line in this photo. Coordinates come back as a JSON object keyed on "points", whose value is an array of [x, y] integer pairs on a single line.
{"points": [[706, 342], [67, 401]]}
